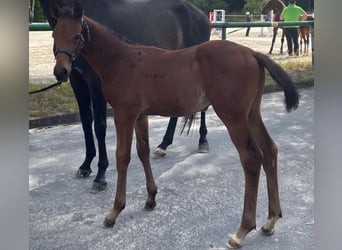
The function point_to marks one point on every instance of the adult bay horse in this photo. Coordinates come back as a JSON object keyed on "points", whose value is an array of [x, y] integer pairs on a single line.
{"points": [[138, 81], [277, 6], [169, 24]]}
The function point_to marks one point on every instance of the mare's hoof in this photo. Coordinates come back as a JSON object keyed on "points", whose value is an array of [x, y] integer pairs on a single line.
{"points": [[108, 223], [203, 147], [234, 242], [150, 206], [98, 187], [83, 173], [158, 153]]}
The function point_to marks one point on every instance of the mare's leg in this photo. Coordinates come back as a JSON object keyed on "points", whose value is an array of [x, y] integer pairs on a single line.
{"points": [[143, 149], [100, 124], [203, 146], [124, 131], [269, 149], [167, 139], [82, 95], [250, 157]]}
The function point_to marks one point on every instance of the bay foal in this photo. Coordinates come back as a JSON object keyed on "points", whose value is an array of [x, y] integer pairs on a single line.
{"points": [[139, 81]]}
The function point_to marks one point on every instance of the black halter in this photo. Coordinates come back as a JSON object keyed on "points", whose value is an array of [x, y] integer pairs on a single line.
{"points": [[74, 54]]}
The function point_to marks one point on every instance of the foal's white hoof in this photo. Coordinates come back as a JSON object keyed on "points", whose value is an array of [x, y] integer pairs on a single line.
{"points": [[234, 242], [158, 153]]}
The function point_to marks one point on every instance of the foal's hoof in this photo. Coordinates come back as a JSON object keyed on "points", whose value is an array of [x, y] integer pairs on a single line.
{"points": [[98, 186], [234, 242], [158, 153], [203, 147], [267, 231], [108, 223], [83, 173]]}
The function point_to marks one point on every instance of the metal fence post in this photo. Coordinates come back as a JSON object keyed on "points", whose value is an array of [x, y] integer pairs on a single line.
{"points": [[312, 44], [224, 32]]}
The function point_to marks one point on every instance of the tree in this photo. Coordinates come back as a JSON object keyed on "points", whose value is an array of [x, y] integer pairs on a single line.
{"points": [[31, 10], [254, 6], [209, 5], [235, 6], [38, 13]]}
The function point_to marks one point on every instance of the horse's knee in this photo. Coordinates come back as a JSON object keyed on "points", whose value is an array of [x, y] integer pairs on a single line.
{"points": [[100, 128], [86, 120], [143, 153], [270, 155], [122, 158]]}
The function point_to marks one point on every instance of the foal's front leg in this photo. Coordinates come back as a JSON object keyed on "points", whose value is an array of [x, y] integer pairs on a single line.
{"points": [[143, 149], [124, 129]]}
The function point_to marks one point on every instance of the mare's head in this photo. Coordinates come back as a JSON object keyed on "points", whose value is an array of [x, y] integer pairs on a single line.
{"points": [[69, 36], [276, 5]]}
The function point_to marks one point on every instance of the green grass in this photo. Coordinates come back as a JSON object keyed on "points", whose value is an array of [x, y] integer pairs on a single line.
{"points": [[57, 100], [299, 71], [61, 100]]}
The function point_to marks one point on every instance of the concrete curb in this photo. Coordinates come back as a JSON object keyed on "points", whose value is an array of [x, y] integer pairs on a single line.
{"points": [[64, 119]]}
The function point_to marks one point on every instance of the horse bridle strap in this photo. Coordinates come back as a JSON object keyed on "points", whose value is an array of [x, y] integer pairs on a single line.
{"points": [[74, 54]]}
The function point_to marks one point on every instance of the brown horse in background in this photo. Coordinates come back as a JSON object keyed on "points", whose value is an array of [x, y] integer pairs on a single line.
{"points": [[277, 6], [139, 81], [304, 34]]}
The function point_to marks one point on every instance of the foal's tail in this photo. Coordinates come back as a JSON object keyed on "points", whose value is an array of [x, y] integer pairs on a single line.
{"points": [[282, 79]]}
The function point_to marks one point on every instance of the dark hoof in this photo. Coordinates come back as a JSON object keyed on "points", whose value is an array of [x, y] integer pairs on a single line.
{"points": [[267, 231], [203, 147], [98, 187], [108, 223], [150, 206], [83, 173]]}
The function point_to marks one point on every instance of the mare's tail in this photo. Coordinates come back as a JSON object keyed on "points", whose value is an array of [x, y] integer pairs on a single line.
{"points": [[282, 79]]}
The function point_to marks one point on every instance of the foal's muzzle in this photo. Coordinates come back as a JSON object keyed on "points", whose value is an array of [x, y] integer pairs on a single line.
{"points": [[62, 73]]}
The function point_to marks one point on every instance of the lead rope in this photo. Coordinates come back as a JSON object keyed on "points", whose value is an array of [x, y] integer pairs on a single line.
{"points": [[45, 88]]}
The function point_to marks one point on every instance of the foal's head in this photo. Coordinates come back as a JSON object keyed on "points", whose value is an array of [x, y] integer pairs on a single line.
{"points": [[68, 36]]}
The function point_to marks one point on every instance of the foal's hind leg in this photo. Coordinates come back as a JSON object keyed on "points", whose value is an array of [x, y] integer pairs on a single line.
{"points": [[143, 149], [250, 157], [269, 162]]}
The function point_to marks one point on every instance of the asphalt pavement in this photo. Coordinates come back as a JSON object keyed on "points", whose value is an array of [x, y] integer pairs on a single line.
{"points": [[200, 196]]}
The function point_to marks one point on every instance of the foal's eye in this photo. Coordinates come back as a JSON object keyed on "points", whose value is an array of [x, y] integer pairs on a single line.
{"points": [[77, 37]]}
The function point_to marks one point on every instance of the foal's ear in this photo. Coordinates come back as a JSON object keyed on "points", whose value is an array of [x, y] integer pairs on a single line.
{"points": [[55, 11], [78, 10]]}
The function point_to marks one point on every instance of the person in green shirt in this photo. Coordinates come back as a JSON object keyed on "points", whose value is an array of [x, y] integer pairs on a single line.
{"points": [[292, 13]]}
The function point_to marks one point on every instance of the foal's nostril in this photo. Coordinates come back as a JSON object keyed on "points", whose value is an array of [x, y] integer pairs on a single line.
{"points": [[61, 74]]}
